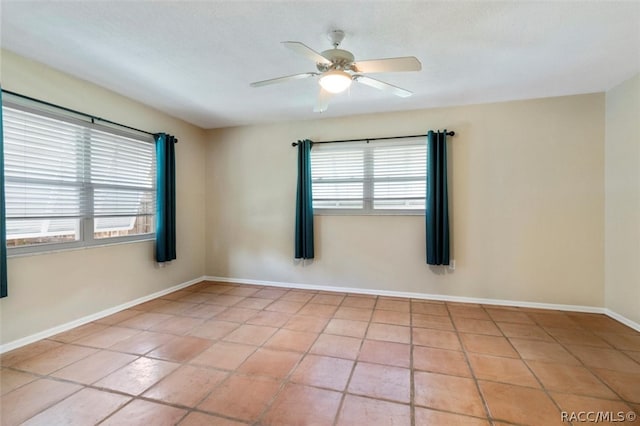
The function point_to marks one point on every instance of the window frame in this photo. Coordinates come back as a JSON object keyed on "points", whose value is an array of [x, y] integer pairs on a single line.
{"points": [[368, 182], [86, 238]]}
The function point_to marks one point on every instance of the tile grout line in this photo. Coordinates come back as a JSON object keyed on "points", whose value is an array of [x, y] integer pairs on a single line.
{"points": [[182, 364], [412, 380], [49, 376], [485, 403], [101, 421], [524, 361], [345, 392], [583, 365], [543, 387], [283, 381], [286, 379], [555, 340], [454, 331], [167, 376]]}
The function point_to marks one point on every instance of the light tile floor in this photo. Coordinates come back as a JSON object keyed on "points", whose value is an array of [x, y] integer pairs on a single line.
{"points": [[227, 354]]}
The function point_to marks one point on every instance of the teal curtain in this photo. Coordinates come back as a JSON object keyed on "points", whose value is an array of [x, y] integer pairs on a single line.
{"points": [[437, 202], [304, 203], [3, 216], [166, 197]]}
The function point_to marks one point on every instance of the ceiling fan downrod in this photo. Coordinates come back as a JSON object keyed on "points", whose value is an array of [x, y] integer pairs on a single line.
{"points": [[335, 37]]}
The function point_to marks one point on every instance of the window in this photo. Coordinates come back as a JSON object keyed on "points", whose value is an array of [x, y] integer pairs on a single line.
{"points": [[71, 183], [379, 177]]}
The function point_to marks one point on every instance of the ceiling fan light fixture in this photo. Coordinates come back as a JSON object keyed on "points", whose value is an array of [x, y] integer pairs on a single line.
{"points": [[337, 68], [335, 81]]}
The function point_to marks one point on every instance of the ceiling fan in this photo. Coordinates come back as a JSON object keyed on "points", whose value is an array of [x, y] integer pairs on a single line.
{"points": [[338, 68]]}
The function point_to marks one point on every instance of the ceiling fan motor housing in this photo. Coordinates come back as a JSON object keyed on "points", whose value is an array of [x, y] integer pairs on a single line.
{"points": [[340, 60]]}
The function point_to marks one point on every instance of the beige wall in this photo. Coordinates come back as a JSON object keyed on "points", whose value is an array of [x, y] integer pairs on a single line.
{"points": [[526, 192], [527, 204], [48, 290], [622, 205]]}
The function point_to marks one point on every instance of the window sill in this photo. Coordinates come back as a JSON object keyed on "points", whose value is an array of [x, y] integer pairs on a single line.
{"points": [[50, 249], [359, 212]]}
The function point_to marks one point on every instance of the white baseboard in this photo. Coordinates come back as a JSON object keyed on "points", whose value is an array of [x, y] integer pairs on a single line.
{"points": [[626, 321], [93, 317], [438, 297]]}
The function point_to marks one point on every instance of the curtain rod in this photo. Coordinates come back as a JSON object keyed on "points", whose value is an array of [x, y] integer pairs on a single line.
{"points": [[92, 117], [451, 133]]}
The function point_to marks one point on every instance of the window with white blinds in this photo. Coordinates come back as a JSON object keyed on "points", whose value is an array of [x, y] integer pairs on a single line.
{"points": [[379, 177], [72, 183]]}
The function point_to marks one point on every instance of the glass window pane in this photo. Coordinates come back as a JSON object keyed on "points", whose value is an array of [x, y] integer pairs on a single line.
{"points": [[402, 189], [337, 190], [61, 171], [120, 161], [26, 199], [339, 164], [338, 204], [400, 161], [398, 204], [108, 227], [24, 232], [121, 202], [381, 175]]}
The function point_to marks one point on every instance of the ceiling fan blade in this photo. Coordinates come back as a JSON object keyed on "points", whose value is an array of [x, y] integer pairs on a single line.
{"points": [[323, 101], [407, 63], [381, 85], [305, 50], [283, 79]]}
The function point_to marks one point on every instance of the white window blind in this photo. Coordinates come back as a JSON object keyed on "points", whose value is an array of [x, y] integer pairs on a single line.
{"points": [[379, 177], [70, 182]]}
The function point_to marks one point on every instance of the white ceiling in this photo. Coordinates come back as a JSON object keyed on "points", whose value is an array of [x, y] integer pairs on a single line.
{"points": [[195, 59]]}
